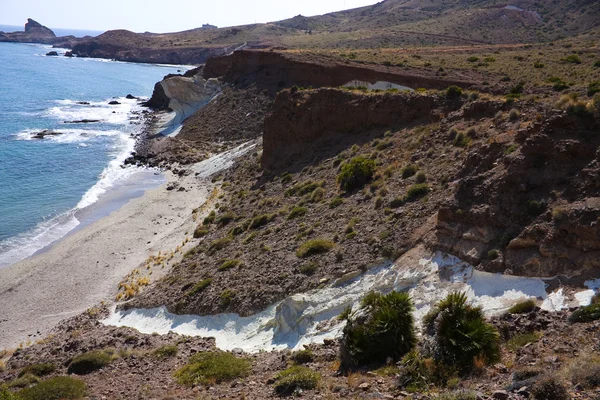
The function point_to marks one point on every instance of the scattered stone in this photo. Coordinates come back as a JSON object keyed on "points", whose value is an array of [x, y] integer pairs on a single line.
{"points": [[500, 395]]}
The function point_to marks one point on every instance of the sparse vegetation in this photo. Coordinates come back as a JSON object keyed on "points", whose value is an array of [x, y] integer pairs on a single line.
{"points": [[453, 92], [408, 171], [521, 340], [313, 247], [209, 368], [522, 307], [356, 173], [166, 351], [229, 264], [296, 377], [586, 314], [297, 212], [416, 191], [309, 268], [200, 231], [39, 370], [89, 362], [200, 286], [57, 388], [303, 356], [549, 387]]}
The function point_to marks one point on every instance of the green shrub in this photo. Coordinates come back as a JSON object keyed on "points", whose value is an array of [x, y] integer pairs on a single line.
{"points": [[549, 387], [200, 286], [229, 264], [317, 195], [456, 395], [461, 140], [356, 173], [309, 268], [522, 339], [525, 373], [58, 388], [6, 394], [23, 381], [303, 356], [593, 88], [210, 218], [296, 377], [219, 244], [249, 238], [586, 314], [493, 254], [523, 307], [261, 220], [416, 191], [408, 171], [421, 177], [302, 188], [226, 297], [538, 65], [297, 212], [597, 64], [165, 351], [89, 362], [286, 177], [382, 328], [200, 231], [573, 59], [225, 218], [535, 208], [209, 368], [453, 92], [314, 246], [42, 369], [461, 333], [336, 202], [513, 115], [473, 59], [559, 84]]}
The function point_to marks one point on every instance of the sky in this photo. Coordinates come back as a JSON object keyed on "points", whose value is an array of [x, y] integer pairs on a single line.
{"points": [[162, 16]]}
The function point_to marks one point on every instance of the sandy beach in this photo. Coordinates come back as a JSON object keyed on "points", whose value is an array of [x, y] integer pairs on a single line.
{"points": [[85, 268]]}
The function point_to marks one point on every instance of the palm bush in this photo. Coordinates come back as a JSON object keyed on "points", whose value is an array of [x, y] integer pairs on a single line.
{"points": [[382, 328], [461, 333]]}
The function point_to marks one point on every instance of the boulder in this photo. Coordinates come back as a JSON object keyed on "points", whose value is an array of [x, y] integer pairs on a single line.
{"points": [[52, 54], [113, 103]]}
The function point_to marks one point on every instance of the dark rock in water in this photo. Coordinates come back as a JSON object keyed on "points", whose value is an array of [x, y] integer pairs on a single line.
{"points": [[69, 54], [130, 97], [113, 103], [82, 121], [46, 132], [84, 103], [52, 53]]}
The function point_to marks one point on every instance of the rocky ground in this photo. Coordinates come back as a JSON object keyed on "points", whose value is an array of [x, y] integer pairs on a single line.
{"points": [[140, 371]]}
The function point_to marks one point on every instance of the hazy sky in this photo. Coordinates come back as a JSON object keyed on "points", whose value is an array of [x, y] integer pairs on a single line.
{"points": [[161, 16]]}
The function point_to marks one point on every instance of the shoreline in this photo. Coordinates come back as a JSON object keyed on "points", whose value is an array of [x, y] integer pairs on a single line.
{"points": [[85, 267]]}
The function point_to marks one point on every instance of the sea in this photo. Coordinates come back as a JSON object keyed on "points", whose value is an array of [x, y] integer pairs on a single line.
{"points": [[51, 186]]}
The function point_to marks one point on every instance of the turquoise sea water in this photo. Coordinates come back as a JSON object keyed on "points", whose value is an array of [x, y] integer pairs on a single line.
{"points": [[44, 182]]}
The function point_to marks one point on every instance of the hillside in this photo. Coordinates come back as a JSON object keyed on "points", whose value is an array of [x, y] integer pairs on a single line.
{"points": [[389, 24]]}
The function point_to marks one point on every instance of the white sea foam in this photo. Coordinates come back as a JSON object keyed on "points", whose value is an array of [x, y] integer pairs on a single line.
{"points": [[310, 317], [121, 145], [19, 247], [69, 110]]}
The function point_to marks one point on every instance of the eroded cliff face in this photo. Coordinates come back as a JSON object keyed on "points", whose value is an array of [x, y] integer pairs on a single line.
{"points": [[535, 211], [275, 70], [302, 122]]}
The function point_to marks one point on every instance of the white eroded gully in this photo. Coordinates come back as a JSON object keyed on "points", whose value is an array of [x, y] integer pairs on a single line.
{"points": [[311, 317]]}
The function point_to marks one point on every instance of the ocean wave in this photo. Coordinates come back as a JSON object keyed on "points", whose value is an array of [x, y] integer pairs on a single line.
{"points": [[113, 174], [68, 135], [71, 110], [17, 248]]}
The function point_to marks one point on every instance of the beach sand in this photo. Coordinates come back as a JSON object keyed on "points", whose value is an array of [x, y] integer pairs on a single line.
{"points": [[85, 268]]}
